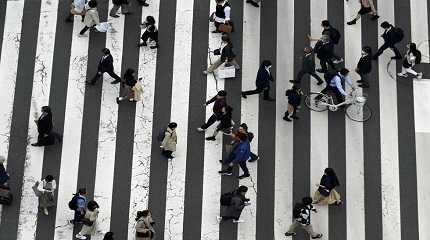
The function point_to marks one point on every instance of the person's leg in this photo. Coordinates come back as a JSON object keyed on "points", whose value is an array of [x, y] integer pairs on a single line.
{"points": [[300, 76], [310, 230], [396, 52], [293, 227], [114, 10], [124, 9], [214, 65], [95, 78], [212, 119], [244, 168], [234, 63], [266, 93], [314, 75], [411, 71], [380, 50], [294, 111], [144, 37], [323, 63], [69, 17], [84, 30], [251, 92], [254, 157], [114, 76], [167, 153], [330, 62]]}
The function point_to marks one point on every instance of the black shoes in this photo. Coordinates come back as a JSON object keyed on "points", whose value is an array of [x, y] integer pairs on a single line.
{"points": [[320, 82], [115, 82], [294, 81], [396, 57], [114, 16], [319, 235], [287, 119], [142, 44], [225, 172], [352, 22], [290, 234], [374, 17], [211, 138], [244, 95], [154, 47]]}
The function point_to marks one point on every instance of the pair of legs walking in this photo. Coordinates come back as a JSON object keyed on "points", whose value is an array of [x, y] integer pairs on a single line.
{"points": [[115, 8], [100, 74], [218, 63], [291, 112], [265, 92], [384, 47], [149, 35], [308, 228], [313, 74]]}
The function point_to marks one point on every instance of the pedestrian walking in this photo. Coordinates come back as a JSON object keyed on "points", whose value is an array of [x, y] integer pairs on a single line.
{"points": [[324, 49], [239, 156], [4, 176], [91, 17], [76, 8], [117, 4], [45, 127], [151, 32], [254, 3], [302, 219], [334, 36], [77, 204], [367, 7], [227, 55], [46, 193], [262, 83], [308, 67], [294, 99], [105, 66], [168, 144], [143, 3], [89, 221], [132, 88], [221, 14], [144, 225], [412, 57], [232, 204], [326, 193], [108, 236], [392, 35], [226, 123], [243, 128], [364, 66], [219, 103]]}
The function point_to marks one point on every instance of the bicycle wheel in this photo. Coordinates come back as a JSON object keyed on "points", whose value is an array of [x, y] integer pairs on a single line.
{"points": [[358, 113], [314, 102]]}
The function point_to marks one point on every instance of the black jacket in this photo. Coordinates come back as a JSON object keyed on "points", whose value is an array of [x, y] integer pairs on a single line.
{"points": [[119, 2], [105, 65], [308, 64], [364, 65], [294, 98], [227, 53], [324, 50], [44, 123], [218, 105], [263, 78], [390, 37]]}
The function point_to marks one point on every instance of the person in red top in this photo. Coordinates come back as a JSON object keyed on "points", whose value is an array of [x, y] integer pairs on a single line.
{"points": [[219, 103]]}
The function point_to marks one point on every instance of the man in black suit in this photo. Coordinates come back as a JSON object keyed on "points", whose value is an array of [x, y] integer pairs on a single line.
{"points": [[324, 49], [105, 65], [364, 66], [308, 67], [391, 36], [262, 83], [44, 128]]}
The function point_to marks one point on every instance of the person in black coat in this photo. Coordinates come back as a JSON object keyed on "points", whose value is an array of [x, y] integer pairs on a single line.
{"points": [[227, 55], [119, 4], [294, 99], [308, 67], [324, 50], [44, 128], [105, 65], [226, 123], [262, 83], [364, 66], [219, 103], [334, 36], [151, 32], [391, 36]]}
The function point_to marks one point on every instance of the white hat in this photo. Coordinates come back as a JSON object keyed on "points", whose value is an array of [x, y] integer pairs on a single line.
{"points": [[2, 159]]}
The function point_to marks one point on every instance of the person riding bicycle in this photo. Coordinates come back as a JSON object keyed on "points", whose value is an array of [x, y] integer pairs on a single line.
{"points": [[335, 84]]}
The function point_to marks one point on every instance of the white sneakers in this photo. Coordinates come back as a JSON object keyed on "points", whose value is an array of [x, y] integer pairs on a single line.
{"points": [[79, 236], [201, 129], [404, 75], [45, 211], [238, 221]]}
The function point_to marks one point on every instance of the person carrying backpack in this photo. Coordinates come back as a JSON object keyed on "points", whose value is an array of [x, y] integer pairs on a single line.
{"points": [[89, 221], [412, 57], [334, 36], [302, 218], [169, 141], [232, 204], [77, 204], [46, 193], [392, 35]]}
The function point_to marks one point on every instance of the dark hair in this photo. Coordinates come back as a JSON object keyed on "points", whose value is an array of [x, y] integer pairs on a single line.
{"points": [[225, 38], [367, 50], [266, 63], [243, 137], [140, 214], [344, 71], [307, 200], [92, 3], [150, 20], [106, 50], [325, 23], [385, 24], [49, 178], [243, 189], [244, 126], [308, 49], [412, 47], [82, 191], [108, 236], [92, 205], [46, 109], [222, 93], [329, 172], [129, 72], [296, 87], [172, 125]]}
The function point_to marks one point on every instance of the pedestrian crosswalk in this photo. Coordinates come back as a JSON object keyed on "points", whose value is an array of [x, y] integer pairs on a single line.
{"points": [[113, 151]]}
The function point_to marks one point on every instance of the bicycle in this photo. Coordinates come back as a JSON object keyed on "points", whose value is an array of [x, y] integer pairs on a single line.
{"points": [[356, 107]]}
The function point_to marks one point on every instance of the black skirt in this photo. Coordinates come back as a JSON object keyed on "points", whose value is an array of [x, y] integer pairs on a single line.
{"points": [[364, 10]]}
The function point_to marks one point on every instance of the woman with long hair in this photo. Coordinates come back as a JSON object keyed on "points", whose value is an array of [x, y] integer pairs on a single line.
{"points": [[411, 58], [326, 193]]}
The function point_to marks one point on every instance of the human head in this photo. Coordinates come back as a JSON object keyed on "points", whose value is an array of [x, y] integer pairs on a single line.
{"points": [[242, 189], [172, 125], [150, 20], [329, 172], [296, 87], [367, 50], [219, 1], [221, 94], [92, 205], [307, 50], [325, 24], [266, 63], [2, 159], [46, 109], [344, 71], [243, 128], [412, 47], [92, 3], [141, 214], [106, 51], [225, 38], [307, 200], [129, 71], [108, 236], [82, 191], [49, 178], [385, 25]]}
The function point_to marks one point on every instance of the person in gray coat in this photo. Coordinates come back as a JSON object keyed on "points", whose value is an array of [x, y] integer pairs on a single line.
{"points": [[308, 67], [234, 209], [91, 17]]}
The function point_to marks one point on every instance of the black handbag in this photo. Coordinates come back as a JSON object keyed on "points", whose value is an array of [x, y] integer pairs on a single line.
{"points": [[217, 52], [324, 191]]}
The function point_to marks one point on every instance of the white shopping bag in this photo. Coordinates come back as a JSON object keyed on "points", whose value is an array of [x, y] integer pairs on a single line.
{"points": [[226, 72], [104, 27]]}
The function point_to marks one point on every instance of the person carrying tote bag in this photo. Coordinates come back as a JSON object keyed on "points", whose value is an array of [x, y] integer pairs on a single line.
{"points": [[89, 220], [144, 226], [326, 193]]}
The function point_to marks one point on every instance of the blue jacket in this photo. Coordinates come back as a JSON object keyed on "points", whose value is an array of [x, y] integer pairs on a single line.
{"points": [[242, 152], [4, 176], [263, 78]]}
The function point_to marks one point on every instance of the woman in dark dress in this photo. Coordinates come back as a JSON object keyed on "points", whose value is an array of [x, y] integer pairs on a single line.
{"points": [[326, 193]]}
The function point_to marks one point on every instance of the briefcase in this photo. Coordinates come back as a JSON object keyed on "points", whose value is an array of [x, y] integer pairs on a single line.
{"points": [[5, 196], [225, 28], [226, 72]]}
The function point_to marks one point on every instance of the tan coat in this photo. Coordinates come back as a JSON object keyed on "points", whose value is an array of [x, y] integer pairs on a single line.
{"points": [[144, 226], [170, 140], [92, 216], [91, 17], [137, 91]]}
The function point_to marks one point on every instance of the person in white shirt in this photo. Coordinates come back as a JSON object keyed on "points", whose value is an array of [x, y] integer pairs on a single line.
{"points": [[412, 57], [46, 193], [335, 85], [221, 14], [77, 8]]}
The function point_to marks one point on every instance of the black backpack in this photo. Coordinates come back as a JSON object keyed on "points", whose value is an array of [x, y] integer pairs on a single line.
{"points": [[298, 210], [335, 35], [161, 134], [398, 34], [225, 199], [73, 204]]}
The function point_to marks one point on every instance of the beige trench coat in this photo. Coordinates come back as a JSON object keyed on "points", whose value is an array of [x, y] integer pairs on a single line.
{"points": [[91, 17], [143, 225], [92, 216], [137, 91], [170, 140]]}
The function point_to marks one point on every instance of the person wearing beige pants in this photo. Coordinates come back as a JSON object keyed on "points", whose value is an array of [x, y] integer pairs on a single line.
{"points": [[227, 55]]}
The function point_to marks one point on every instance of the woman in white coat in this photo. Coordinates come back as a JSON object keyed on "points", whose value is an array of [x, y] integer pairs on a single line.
{"points": [[91, 17], [89, 220]]}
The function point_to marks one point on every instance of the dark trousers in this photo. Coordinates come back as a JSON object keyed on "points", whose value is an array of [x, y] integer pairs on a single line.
{"points": [[77, 217], [363, 77], [384, 47], [43, 140], [257, 91], [210, 121], [324, 61], [152, 35], [167, 153], [303, 72], [84, 30], [253, 156], [242, 165], [100, 74], [333, 91]]}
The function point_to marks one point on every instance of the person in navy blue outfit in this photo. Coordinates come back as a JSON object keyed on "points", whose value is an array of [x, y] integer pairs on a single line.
{"points": [[262, 83], [239, 155]]}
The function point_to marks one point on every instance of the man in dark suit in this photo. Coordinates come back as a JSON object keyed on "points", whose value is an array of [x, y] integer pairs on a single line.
{"points": [[308, 67], [44, 128], [324, 50], [391, 36], [364, 66], [262, 83], [219, 103], [105, 65]]}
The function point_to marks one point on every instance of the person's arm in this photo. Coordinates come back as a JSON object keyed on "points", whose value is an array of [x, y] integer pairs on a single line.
{"points": [[372, 6], [339, 86], [349, 81], [210, 101], [166, 136], [227, 14]]}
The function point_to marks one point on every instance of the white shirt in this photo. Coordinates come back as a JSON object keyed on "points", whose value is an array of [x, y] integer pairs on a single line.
{"points": [[227, 10], [336, 81], [79, 5]]}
